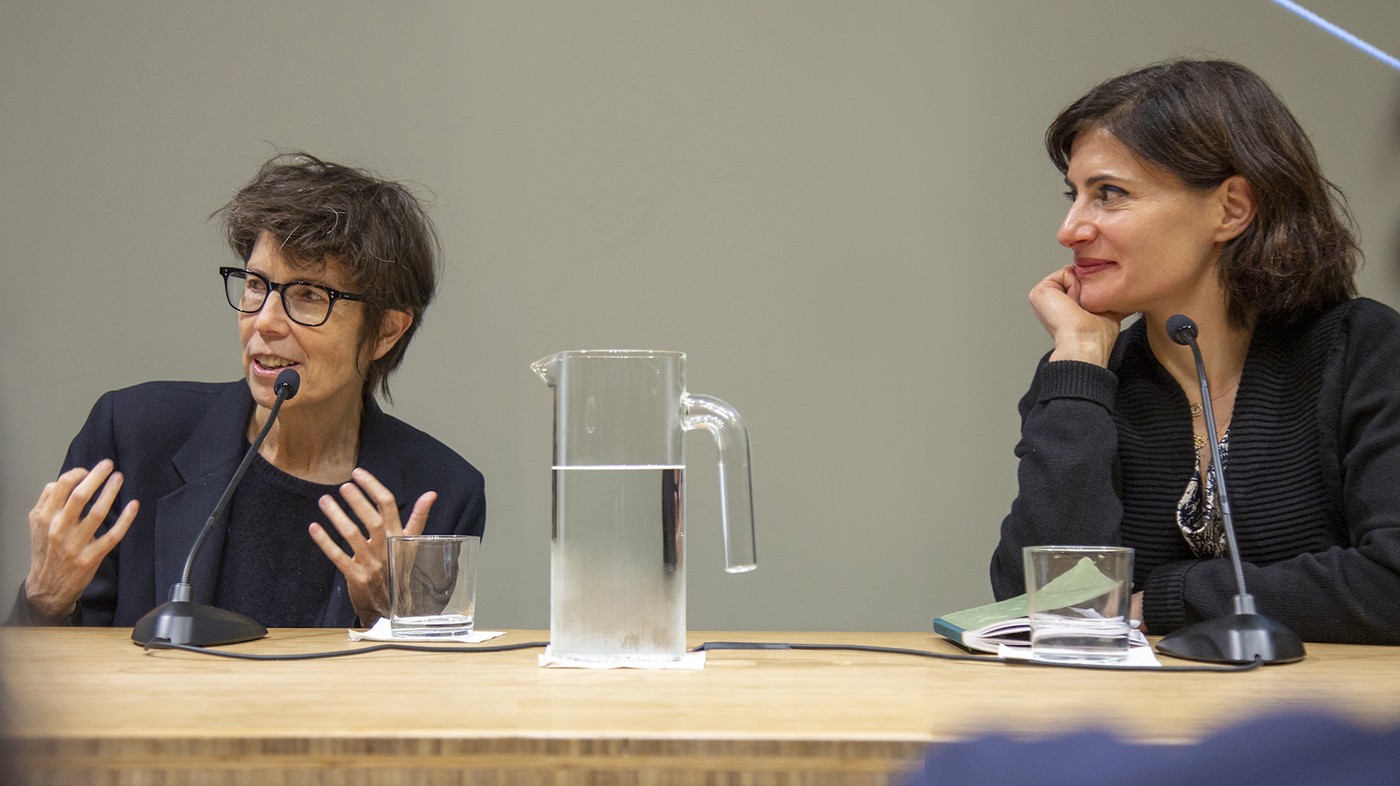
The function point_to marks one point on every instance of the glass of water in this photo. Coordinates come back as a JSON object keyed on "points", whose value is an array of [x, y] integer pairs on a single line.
{"points": [[432, 585], [1079, 598]]}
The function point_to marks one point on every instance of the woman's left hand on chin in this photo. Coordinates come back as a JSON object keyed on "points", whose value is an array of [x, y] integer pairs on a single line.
{"points": [[366, 566], [1078, 334]]}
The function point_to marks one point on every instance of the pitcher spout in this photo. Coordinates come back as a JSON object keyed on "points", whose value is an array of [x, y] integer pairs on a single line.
{"points": [[547, 367]]}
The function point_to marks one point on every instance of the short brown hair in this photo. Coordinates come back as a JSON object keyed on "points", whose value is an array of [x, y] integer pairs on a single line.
{"points": [[321, 212], [1205, 121]]}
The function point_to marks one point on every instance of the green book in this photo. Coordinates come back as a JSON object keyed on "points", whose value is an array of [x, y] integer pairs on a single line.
{"points": [[986, 628]]}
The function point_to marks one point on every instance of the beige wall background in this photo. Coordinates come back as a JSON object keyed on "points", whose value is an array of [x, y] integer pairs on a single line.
{"points": [[835, 208]]}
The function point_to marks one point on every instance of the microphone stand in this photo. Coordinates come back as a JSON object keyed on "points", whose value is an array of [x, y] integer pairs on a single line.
{"points": [[1244, 636], [181, 620]]}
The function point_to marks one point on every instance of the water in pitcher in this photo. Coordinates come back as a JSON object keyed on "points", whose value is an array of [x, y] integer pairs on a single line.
{"points": [[618, 562]]}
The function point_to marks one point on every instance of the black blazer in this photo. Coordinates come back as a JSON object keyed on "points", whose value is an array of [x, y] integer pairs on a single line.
{"points": [[177, 445]]}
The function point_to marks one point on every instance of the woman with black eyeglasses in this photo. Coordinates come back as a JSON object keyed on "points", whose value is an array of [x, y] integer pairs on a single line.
{"points": [[339, 267]]}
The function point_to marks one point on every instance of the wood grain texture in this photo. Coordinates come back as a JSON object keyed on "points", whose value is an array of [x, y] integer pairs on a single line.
{"points": [[89, 707]]}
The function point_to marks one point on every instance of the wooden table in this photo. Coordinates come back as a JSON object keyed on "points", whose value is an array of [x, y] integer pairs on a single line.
{"points": [[91, 707]]}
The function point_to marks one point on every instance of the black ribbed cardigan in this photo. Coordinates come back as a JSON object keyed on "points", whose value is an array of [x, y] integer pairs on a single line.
{"points": [[1313, 473]]}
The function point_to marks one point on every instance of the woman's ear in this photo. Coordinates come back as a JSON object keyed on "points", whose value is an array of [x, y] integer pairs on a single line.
{"points": [[1237, 208], [395, 323]]}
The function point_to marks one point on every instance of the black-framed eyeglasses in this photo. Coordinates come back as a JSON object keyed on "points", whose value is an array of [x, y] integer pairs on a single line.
{"points": [[305, 303]]}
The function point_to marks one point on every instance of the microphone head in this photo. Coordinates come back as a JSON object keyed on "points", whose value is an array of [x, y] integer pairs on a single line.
{"points": [[1181, 329], [287, 384]]}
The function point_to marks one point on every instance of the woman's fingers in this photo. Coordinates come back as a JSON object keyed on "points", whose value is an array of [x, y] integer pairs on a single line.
{"points": [[54, 498], [83, 492], [64, 554], [1078, 334], [365, 564], [360, 505], [418, 519], [57, 519], [377, 510], [98, 512], [374, 504], [44, 497], [1055, 292], [382, 499], [330, 548], [102, 546], [1072, 285], [343, 524]]}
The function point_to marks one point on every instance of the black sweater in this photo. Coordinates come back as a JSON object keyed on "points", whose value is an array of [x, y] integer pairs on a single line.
{"points": [[1314, 476]]}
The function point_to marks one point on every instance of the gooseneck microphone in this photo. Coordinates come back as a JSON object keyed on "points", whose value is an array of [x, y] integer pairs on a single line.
{"points": [[1244, 636], [181, 620]]}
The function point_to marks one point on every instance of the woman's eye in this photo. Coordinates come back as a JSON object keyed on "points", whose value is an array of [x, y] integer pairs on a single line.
{"points": [[310, 295], [1111, 192], [1071, 194]]}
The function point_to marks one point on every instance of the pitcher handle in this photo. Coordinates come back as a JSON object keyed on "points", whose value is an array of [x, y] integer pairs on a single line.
{"points": [[735, 482]]}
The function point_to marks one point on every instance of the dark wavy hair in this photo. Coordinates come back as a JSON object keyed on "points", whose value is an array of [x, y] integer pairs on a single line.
{"points": [[321, 212], [1205, 121]]}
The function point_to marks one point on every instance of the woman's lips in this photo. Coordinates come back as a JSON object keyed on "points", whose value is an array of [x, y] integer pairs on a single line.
{"points": [[272, 367], [1088, 267]]}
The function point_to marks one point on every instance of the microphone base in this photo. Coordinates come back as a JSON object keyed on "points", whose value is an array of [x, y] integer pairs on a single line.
{"points": [[186, 622], [1235, 638]]}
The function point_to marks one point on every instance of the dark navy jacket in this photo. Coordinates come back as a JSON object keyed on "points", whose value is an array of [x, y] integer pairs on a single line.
{"points": [[177, 445]]}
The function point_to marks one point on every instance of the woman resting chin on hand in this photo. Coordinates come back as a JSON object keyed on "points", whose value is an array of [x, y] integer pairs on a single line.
{"points": [[1192, 190]]}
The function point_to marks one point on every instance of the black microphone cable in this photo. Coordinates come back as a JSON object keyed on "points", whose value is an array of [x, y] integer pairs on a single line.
{"points": [[744, 645], [709, 646], [164, 644]]}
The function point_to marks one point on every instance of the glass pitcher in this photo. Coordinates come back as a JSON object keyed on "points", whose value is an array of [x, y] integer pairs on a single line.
{"points": [[617, 546]]}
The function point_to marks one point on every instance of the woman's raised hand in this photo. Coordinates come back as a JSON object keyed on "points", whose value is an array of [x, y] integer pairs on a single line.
{"points": [[63, 554], [366, 566]]}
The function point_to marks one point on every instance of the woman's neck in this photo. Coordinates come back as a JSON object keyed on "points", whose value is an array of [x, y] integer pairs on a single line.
{"points": [[1224, 347], [320, 444]]}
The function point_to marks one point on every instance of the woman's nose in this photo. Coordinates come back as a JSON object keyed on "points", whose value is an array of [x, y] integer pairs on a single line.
{"points": [[272, 317], [1075, 229]]}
